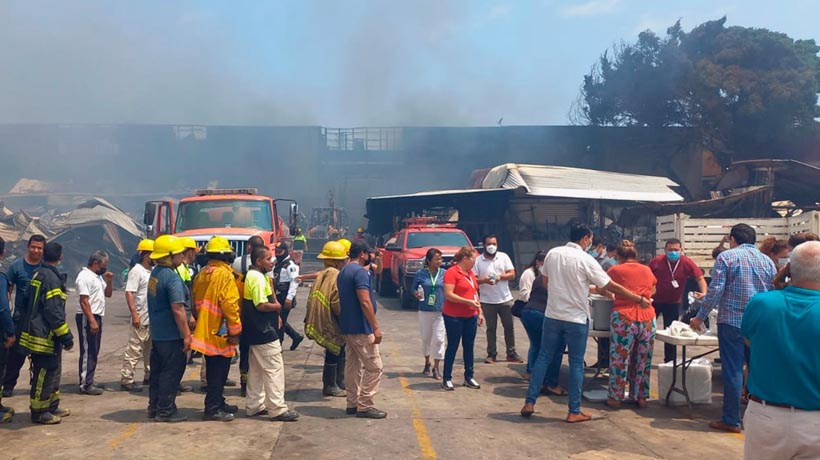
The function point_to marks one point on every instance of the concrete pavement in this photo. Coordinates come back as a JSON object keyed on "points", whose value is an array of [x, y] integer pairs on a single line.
{"points": [[423, 421]]}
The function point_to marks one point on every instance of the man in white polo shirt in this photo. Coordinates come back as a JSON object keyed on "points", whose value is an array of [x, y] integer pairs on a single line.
{"points": [[569, 271], [494, 270], [93, 286]]}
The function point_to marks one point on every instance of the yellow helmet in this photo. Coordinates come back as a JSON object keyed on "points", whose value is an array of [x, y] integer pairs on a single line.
{"points": [[188, 242], [166, 245], [333, 250], [346, 243], [145, 245], [218, 245]]}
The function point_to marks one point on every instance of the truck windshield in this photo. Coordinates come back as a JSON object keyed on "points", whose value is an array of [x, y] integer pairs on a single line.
{"points": [[436, 239], [224, 214]]}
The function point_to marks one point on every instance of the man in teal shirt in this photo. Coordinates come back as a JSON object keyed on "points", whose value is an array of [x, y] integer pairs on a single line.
{"points": [[782, 327]]}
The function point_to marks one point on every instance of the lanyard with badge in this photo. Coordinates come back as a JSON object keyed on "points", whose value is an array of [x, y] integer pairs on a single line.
{"points": [[431, 299], [672, 271]]}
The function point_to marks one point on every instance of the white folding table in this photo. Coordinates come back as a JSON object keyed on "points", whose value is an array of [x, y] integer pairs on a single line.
{"points": [[710, 341]]}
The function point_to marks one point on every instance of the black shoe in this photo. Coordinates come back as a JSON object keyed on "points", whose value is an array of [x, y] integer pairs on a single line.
{"points": [[8, 392], [47, 418], [295, 343], [351, 411], [287, 416], [133, 387], [185, 389], [218, 416], [371, 413], [471, 383], [243, 389], [60, 412], [176, 418], [92, 390], [230, 408], [447, 385], [230, 383], [152, 413], [146, 382]]}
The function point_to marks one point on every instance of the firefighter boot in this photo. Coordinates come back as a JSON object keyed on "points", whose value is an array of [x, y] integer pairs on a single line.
{"points": [[340, 373], [6, 414], [330, 387]]}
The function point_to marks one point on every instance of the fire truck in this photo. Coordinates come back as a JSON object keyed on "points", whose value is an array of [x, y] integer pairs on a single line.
{"points": [[404, 254], [235, 214]]}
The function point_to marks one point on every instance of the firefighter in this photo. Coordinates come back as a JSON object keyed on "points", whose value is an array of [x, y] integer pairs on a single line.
{"points": [[45, 333], [322, 318], [216, 304], [299, 241], [284, 274]]}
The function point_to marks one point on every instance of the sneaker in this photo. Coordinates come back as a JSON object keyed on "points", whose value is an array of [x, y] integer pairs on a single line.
{"points": [[334, 391], [60, 412], [351, 411], [46, 418], [92, 390], [287, 416], [133, 387], [490, 359], [218, 416], [230, 383], [295, 343], [8, 392], [6, 414], [426, 370], [371, 413], [514, 358], [448, 385], [176, 418], [471, 383], [230, 408]]}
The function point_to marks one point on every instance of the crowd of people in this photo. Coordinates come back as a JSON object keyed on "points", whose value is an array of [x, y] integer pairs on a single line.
{"points": [[767, 300]]}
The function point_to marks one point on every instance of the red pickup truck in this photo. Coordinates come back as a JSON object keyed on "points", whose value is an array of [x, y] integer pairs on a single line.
{"points": [[404, 254]]}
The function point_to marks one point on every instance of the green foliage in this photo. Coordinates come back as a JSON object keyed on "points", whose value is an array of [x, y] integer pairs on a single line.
{"points": [[746, 90]]}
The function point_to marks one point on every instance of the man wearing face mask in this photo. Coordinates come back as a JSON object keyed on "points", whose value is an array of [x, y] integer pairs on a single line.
{"points": [[94, 284], [673, 270], [493, 270], [284, 274]]}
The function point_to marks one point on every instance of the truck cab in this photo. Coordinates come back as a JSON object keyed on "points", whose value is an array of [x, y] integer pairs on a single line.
{"points": [[405, 253], [235, 214]]}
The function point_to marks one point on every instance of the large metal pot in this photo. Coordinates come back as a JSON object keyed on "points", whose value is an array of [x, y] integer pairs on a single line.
{"points": [[601, 309]]}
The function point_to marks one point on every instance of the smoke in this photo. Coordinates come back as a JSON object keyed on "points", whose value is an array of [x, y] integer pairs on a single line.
{"points": [[320, 63]]}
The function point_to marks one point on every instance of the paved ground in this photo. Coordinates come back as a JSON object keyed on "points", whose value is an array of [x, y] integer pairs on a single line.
{"points": [[423, 422]]}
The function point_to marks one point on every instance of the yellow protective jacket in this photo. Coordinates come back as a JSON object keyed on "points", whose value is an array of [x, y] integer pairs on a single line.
{"points": [[323, 310], [216, 298]]}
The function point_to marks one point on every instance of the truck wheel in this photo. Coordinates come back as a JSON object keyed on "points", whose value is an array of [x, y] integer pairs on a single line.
{"points": [[406, 298], [386, 288]]}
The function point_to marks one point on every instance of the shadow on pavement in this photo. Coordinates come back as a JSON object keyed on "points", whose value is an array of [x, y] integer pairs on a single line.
{"points": [[323, 411]]}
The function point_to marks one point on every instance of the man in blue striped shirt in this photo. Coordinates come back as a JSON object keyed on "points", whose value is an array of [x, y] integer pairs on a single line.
{"points": [[739, 273]]}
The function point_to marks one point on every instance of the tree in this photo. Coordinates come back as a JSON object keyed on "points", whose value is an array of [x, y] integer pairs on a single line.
{"points": [[744, 90]]}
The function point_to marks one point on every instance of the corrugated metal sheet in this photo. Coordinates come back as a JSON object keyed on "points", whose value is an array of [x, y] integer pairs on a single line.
{"points": [[560, 181]]}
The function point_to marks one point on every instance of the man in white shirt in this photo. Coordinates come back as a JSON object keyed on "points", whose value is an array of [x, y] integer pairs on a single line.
{"points": [[569, 271], [493, 270], [139, 336], [93, 285]]}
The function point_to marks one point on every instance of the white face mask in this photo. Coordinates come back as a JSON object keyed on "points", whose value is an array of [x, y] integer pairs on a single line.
{"points": [[491, 249]]}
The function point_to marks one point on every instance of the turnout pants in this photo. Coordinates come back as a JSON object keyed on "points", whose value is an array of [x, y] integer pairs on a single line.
{"points": [[89, 349], [266, 380], [491, 313], [217, 368], [167, 368], [45, 382], [363, 370], [139, 346]]}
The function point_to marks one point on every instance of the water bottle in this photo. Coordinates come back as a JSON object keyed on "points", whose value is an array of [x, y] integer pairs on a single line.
{"points": [[420, 291]]}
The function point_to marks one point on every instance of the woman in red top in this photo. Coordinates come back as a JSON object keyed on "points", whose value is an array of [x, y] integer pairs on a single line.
{"points": [[462, 315], [632, 330]]}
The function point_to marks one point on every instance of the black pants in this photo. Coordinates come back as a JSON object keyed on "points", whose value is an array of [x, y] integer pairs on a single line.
{"points": [[603, 352], [4, 357], [286, 328], [216, 370], [670, 312], [45, 382], [244, 359], [167, 369], [89, 349], [14, 362], [334, 372]]}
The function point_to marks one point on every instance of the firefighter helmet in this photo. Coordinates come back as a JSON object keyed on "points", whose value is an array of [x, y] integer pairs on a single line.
{"points": [[145, 245], [346, 243], [333, 250], [218, 245], [166, 245]]}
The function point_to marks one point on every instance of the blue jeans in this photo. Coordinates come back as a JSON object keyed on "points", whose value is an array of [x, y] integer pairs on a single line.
{"points": [[575, 336], [733, 353], [533, 321], [459, 330]]}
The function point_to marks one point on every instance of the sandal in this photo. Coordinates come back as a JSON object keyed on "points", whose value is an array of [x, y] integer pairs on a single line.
{"points": [[553, 392], [527, 410], [578, 418], [612, 403], [426, 370], [436, 375]]}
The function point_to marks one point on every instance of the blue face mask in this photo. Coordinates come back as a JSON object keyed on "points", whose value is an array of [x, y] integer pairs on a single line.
{"points": [[594, 253], [673, 256]]}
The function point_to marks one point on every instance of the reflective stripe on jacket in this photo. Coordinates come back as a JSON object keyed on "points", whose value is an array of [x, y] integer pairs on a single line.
{"points": [[216, 300]]}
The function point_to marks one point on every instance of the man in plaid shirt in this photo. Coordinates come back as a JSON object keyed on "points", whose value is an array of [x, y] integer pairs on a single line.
{"points": [[739, 273]]}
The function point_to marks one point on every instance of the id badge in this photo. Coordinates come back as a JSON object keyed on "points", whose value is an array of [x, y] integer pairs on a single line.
{"points": [[431, 300], [675, 284]]}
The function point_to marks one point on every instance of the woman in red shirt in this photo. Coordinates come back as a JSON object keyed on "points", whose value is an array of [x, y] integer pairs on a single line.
{"points": [[632, 330], [462, 316]]}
